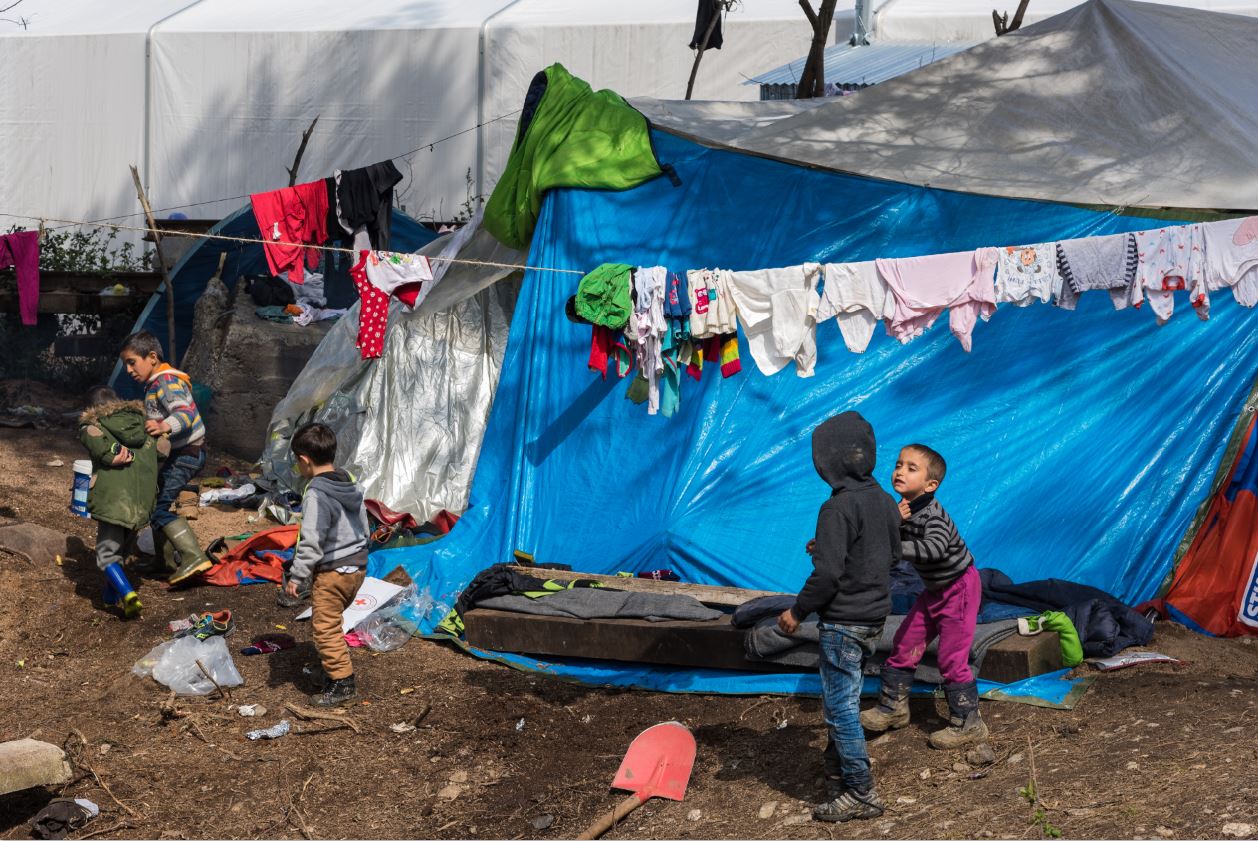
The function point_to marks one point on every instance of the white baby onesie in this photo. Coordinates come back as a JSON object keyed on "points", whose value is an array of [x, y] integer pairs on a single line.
{"points": [[857, 296], [778, 312]]}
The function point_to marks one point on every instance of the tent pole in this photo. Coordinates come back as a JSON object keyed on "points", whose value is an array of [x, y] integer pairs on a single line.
{"points": [[157, 245]]}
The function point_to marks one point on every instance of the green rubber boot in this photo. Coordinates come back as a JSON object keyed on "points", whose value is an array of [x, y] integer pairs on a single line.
{"points": [[192, 561]]}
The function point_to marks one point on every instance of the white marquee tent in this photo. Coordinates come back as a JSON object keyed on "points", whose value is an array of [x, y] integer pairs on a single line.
{"points": [[209, 97]]}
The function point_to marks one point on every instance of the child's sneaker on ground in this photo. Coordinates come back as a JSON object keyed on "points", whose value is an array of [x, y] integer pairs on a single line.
{"points": [[211, 625], [850, 805], [335, 693]]}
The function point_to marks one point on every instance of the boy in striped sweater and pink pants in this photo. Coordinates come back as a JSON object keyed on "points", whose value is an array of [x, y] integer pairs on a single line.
{"points": [[947, 608]]}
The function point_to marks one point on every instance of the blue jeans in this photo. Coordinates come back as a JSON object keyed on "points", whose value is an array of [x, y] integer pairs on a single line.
{"points": [[843, 652], [174, 473]]}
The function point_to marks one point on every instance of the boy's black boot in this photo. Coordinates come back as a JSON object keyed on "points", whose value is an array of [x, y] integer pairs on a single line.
{"points": [[335, 693], [965, 726], [892, 711]]}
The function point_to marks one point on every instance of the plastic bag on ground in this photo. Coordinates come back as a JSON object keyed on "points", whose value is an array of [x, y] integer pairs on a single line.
{"points": [[398, 619], [174, 664]]}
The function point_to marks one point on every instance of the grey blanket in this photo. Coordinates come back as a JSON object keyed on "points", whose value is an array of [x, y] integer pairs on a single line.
{"points": [[594, 603], [766, 642]]}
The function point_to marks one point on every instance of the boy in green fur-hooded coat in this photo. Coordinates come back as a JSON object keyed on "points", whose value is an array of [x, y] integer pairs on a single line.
{"points": [[124, 485]]}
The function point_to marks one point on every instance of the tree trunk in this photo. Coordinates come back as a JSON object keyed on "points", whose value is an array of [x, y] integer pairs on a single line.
{"points": [[1002, 23], [812, 82]]}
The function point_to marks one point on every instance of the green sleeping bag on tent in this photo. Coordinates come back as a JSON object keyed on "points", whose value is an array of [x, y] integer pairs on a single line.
{"points": [[573, 137]]}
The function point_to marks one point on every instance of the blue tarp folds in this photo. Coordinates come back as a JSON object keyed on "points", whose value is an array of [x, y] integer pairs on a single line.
{"points": [[1078, 443]]}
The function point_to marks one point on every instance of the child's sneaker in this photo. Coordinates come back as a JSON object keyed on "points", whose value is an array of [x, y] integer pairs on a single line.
{"points": [[211, 625], [336, 692], [850, 805]]}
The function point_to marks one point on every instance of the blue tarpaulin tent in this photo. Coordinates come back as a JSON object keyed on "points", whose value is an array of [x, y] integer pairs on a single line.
{"points": [[1079, 443]]}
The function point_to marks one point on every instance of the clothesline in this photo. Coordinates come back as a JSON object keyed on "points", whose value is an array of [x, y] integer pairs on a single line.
{"points": [[255, 241], [429, 146]]}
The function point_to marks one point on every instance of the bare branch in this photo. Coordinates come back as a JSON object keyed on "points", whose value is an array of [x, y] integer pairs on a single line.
{"points": [[301, 150]]}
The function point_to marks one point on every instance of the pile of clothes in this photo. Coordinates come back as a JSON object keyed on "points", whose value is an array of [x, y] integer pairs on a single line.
{"points": [[778, 309], [353, 208]]}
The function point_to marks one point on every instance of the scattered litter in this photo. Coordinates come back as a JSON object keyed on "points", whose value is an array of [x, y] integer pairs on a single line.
{"points": [[63, 816], [796, 820], [105, 748], [373, 593], [925, 774], [1133, 766], [767, 810], [59, 561], [587, 718], [542, 822], [251, 710], [406, 690], [782, 724], [905, 801], [208, 498], [981, 754], [281, 627], [190, 666], [694, 815], [1131, 658], [176, 626], [269, 644], [519, 726], [275, 732], [1237, 830], [56, 462], [402, 727], [1164, 831]]}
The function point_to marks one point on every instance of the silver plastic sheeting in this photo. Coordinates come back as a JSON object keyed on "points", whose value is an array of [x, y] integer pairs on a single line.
{"points": [[409, 424]]}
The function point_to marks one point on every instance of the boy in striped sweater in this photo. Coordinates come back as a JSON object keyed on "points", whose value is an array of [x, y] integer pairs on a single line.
{"points": [[947, 608], [171, 411]]}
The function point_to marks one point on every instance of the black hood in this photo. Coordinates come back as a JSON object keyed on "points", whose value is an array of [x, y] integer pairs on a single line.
{"points": [[843, 451]]}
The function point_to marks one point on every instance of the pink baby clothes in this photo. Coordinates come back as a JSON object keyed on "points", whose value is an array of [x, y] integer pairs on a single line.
{"points": [[373, 311], [1171, 259], [21, 251], [962, 282]]}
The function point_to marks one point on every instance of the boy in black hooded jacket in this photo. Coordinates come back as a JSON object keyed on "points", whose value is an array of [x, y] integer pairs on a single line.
{"points": [[857, 543]]}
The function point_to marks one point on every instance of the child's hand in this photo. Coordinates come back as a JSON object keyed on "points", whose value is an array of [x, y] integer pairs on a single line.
{"points": [[787, 622], [811, 546], [905, 511], [124, 456], [156, 428], [290, 589]]}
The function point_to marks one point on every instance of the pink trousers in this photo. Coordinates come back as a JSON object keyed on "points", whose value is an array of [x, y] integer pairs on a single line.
{"points": [[950, 614]]}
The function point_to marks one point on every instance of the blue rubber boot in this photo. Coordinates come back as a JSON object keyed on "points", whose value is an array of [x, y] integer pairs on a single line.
{"points": [[124, 594]]}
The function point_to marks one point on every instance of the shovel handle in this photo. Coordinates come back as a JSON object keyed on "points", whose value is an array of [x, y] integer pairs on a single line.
{"points": [[610, 819]]}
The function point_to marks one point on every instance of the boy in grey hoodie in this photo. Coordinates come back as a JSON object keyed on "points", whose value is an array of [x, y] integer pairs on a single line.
{"points": [[331, 557], [856, 544]]}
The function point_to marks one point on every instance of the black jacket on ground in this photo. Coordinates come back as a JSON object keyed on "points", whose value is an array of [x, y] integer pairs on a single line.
{"points": [[858, 529]]}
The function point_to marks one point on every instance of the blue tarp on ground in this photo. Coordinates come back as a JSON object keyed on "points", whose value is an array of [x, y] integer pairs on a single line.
{"points": [[1079, 443], [193, 272]]}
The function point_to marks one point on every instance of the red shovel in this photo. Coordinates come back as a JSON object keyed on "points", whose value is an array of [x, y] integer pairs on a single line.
{"points": [[657, 764]]}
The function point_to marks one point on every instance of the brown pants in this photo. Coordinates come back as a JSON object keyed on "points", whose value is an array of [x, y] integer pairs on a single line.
{"points": [[330, 594]]}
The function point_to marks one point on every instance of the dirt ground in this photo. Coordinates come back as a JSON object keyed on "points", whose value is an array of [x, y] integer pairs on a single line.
{"points": [[1153, 751]]}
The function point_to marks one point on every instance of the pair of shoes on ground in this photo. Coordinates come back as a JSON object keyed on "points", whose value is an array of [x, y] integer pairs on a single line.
{"points": [[334, 692], [220, 624]]}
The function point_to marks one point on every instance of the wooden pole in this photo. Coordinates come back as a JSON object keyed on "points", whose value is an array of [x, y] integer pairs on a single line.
{"points": [[166, 278], [703, 46]]}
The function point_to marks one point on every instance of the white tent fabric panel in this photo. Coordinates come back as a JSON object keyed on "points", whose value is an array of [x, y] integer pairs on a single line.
{"points": [[1113, 103], [235, 82], [72, 114]]}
